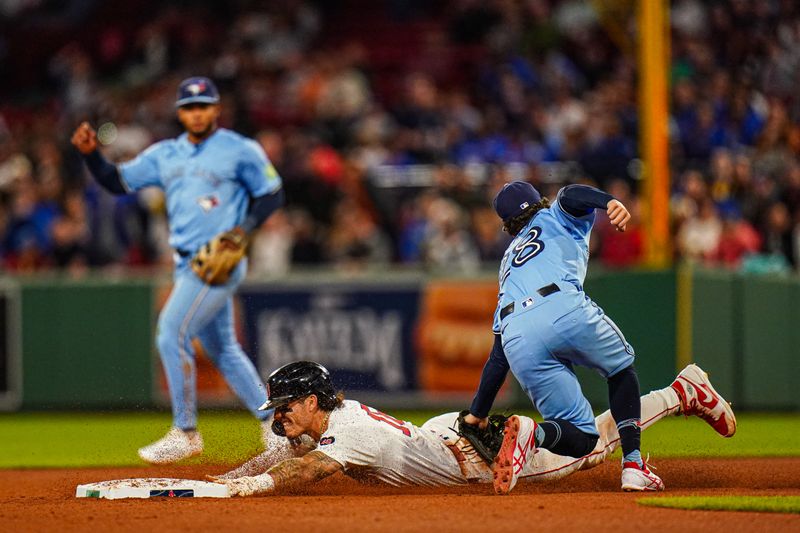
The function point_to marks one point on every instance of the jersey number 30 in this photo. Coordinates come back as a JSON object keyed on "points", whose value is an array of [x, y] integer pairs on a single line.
{"points": [[528, 248], [383, 417]]}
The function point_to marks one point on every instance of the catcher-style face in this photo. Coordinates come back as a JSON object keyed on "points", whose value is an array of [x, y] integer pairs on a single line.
{"points": [[198, 119], [296, 416]]}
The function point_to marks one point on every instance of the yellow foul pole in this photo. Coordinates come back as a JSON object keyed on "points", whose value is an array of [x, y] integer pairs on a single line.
{"points": [[653, 26]]}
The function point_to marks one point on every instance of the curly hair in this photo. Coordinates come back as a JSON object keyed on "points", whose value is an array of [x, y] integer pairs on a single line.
{"points": [[331, 403], [513, 225]]}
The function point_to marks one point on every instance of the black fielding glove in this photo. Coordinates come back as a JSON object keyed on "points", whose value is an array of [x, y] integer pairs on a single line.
{"points": [[486, 441]]}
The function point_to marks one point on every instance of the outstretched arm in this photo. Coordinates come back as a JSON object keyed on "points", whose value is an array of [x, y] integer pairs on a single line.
{"points": [[278, 449], [253, 466], [307, 469], [310, 468], [581, 200], [492, 378], [106, 174]]}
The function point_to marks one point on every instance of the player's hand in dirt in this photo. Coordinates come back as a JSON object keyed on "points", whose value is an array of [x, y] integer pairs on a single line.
{"points": [[241, 486], [85, 139], [618, 214]]}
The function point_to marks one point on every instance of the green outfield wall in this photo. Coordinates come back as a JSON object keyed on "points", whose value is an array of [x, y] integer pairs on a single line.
{"points": [[746, 333], [86, 344], [89, 344]]}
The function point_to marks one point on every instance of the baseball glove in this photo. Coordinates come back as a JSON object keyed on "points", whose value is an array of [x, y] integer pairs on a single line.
{"points": [[486, 441], [217, 258]]}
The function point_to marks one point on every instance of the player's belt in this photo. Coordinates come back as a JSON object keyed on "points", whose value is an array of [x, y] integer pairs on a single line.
{"points": [[507, 310], [547, 290], [544, 292]]}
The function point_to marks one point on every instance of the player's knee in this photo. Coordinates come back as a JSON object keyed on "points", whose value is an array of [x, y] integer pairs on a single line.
{"points": [[625, 375], [166, 339]]}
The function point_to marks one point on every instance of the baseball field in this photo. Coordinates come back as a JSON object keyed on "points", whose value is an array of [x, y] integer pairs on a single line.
{"points": [[713, 484]]}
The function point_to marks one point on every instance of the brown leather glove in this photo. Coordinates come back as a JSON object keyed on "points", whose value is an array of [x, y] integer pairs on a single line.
{"points": [[217, 258]]}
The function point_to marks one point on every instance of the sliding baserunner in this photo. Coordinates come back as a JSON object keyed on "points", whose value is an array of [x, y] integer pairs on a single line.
{"points": [[364, 443]]}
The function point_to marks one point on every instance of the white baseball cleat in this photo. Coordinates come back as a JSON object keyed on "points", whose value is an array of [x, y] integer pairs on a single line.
{"points": [[699, 398], [172, 447], [519, 445], [640, 478]]}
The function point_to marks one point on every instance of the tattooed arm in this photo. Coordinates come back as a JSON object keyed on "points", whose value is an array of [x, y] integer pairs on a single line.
{"points": [[289, 473], [307, 469], [278, 449]]}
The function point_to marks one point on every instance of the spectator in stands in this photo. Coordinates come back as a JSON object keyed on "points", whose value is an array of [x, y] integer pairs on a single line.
{"points": [[691, 192], [699, 236], [355, 241], [777, 233], [307, 249], [447, 245], [490, 239], [27, 241], [738, 240], [421, 120], [70, 233], [271, 247]]}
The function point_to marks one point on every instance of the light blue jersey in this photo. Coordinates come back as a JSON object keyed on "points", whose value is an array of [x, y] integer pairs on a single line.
{"points": [[208, 188], [208, 185], [545, 332], [552, 247]]}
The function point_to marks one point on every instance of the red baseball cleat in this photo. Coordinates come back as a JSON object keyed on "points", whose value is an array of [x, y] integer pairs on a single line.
{"points": [[699, 398], [519, 446]]}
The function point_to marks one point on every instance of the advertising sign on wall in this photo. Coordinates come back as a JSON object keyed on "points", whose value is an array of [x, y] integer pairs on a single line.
{"points": [[455, 334], [362, 333]]}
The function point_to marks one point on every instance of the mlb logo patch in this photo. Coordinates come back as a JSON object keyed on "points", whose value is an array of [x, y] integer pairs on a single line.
{"points": [[524, 205], [527, 303], [327, 440]]}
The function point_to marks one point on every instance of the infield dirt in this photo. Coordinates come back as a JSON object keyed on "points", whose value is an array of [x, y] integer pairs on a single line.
{"points": [[42, 500]]}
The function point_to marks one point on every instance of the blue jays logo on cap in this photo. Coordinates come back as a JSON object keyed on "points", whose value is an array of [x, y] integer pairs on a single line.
{"points": [[197, 90], [514, 198]]}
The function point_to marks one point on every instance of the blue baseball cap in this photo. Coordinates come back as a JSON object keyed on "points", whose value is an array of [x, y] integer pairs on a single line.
{"points": [[197, 90], [514, 198]]}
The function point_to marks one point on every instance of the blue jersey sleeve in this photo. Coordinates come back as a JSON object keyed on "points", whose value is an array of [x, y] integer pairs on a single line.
{"points": [[492, 378], [582, 224], [255, 170], [141, 171]]}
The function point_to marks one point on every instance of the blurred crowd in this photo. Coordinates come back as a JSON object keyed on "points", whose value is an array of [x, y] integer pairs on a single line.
{"points": [[461, 96]]}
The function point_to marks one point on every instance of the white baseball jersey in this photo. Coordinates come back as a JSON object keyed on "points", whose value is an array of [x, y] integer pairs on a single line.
{"points": [[372, 444]]}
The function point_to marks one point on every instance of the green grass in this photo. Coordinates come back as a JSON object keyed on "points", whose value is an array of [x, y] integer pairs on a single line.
{"points": [[111, 439], [757, 435], [763, 504]]}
